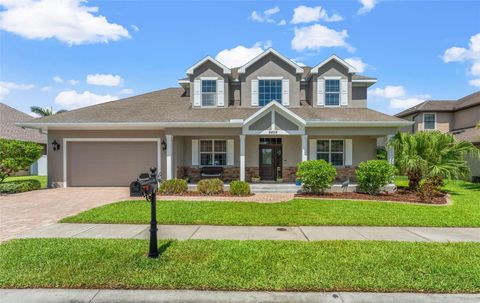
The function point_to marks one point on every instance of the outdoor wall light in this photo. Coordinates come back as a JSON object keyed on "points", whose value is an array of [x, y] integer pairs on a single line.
{"points": [[55, 145], [164, 145]]}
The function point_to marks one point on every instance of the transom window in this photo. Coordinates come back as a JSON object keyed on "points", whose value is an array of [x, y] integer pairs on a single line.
{"points": [[269, 90], [429, 121], [209, 92], [270, 140], [331, 151], [332, 92], [213, 152]]}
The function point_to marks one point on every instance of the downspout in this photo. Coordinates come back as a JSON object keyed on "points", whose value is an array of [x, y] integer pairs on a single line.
{"points": [[413, 120]]}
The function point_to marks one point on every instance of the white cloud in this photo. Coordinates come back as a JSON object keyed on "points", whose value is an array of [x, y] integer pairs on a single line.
{"points": [[356, 62], [470, 55], [306, 14], [134, 27], [126, 91], [69, 21], [240, 55], [389, 92], [57, 79], [315, 37], [71, 99], [267, 16], [406, 103], [397, 95], [73, 82], [475, 82], [46, 89], [367, 6], [7, 87], [104, 79]]}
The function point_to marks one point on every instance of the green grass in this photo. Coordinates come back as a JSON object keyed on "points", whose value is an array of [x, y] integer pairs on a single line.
{"points": [[465, 212], [242, 265], [42, 179]]}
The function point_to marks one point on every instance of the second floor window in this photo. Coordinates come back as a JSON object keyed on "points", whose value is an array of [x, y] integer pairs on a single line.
{"points": [[429, 121], [269, 90], [332, 92], [209, 92], [331, 151], [213, 152]]}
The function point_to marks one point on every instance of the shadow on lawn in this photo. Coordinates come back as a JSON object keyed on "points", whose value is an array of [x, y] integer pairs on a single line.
{"points": [[163, 248]]}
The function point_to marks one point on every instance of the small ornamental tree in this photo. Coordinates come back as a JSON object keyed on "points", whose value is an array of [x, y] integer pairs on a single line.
{"points": [[316, 175], [16, 156], [372, 175]]}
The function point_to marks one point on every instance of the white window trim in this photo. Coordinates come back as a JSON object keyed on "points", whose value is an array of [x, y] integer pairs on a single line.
{"points": [[330, 149], [215, 93], [423, 121], [325, 91], [269, 78], [212, 152], [66, 140]]}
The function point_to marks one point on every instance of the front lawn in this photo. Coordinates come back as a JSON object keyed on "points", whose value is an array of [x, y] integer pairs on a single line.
{"points": [[242, 265], [41, 179], [464, 212]]}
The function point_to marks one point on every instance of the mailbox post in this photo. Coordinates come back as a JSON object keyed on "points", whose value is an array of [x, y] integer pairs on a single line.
{"points": [[149, 190]]}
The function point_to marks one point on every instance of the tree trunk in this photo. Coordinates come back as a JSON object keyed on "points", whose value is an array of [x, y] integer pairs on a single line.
{"points": [[414, 178]]}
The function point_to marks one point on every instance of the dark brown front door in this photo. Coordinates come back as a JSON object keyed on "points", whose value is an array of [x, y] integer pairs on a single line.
{"points": [[270, 162]]}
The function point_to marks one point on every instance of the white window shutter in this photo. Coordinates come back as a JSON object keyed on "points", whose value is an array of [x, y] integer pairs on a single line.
{"points": [[197, 94], [220, 93], [348, 152], [344, 92], [230, 152], [286, 92], [194, 152], [254, 92], [312, 147], [320, 91]]}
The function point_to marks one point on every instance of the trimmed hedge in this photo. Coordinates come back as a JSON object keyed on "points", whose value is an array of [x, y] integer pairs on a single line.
{"points": [[239, 188], [210, 186], [372, 175], [173, 187], [316, 175], [19, 186]]}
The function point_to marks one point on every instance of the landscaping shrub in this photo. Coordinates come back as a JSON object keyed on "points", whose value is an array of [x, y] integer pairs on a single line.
{"points": [[239, 188], [173, 187], [16, 156], [372, 175], [210, 186], [316, 175], [428, 190], [20, 186]]}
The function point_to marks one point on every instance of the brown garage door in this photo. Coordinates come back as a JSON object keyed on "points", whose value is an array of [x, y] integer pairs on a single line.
{"points": [[108, 163]]}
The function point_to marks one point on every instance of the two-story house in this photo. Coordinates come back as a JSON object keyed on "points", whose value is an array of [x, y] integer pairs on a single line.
{"points": [[458, 117], [259, 119]]}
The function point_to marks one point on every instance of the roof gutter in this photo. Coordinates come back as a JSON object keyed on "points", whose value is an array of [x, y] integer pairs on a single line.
{"points": [[128, 125], [316, 123]]}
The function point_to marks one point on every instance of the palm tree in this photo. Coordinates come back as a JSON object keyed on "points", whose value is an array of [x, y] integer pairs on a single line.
{"points": [[431, 155], [43, 112]]}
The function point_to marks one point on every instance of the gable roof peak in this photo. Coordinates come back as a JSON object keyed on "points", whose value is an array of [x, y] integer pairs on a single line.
{"points": [[298, 68], [191, 70], [349, 67]]}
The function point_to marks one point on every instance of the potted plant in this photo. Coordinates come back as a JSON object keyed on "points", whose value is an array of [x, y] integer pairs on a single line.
{"points": [[280, 180], [255, 179], [298, 182]]}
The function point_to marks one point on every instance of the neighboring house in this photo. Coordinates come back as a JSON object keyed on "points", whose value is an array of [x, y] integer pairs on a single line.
{"points": [[260, 119], [458, 117], [8, 118]]}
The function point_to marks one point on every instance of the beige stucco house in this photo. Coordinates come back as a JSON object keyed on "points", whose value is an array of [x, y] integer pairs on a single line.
{"points": [[458, 117], [257, 120]]}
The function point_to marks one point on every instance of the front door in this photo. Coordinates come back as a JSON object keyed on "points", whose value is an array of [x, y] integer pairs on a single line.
{"points": [[270, 162]]}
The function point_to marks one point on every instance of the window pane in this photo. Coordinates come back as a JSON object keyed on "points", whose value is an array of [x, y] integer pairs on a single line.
{"points": [[323, 156], [332, 86], [209, 86], [323, 146], [220, 159], [337, 146], [266, 156], [206, 146], [332, 99], [429, 121], [208, 99], [269, 90], [337, 159], [221, 146], [206, 159]]}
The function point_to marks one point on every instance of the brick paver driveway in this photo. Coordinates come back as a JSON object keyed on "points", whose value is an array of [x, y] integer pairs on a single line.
{"points": [[20, 213]]}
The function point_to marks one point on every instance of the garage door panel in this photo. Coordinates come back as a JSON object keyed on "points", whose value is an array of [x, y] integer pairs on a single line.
{"points": [[108, 163]]}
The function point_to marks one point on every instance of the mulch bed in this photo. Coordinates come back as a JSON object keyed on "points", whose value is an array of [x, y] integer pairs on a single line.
{"points": [[199, 194], [402, 195]]}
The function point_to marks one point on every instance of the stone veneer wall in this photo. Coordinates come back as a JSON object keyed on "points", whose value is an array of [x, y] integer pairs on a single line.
{"points": [[194, 173], [343, 172], [250, 172], [289, 174]]}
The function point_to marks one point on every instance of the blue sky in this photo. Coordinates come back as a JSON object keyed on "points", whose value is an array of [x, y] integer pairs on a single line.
{"points": [[72, 53]]}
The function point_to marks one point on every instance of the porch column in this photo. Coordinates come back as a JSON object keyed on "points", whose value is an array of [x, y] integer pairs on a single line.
{"points": [[304, 148], [390, 151], [169, 156], [242, 157]]}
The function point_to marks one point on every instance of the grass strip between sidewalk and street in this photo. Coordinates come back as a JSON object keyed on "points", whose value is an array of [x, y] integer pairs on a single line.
{"points": [[242, 265], [465, 212]]}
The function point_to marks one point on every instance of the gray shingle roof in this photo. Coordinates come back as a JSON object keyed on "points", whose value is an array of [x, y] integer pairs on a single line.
{"points": [[8, 117], [170, 105], [471, 134]]}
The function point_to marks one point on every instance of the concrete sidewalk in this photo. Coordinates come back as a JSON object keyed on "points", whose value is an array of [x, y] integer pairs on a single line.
{"points": [[302, 233], [192, 296]]}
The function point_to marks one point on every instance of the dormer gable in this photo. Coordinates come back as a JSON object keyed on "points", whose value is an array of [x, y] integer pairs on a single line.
{"points": [[298, 68], [192, 69], [349, 67]]}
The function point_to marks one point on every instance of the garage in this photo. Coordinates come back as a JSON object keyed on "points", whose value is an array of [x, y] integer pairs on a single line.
{"points": [[108, 163]]}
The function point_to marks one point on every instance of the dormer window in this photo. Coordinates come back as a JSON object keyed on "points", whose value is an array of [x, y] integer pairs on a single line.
{"points": [[269, 89], [209, 92], [332, 92]]}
